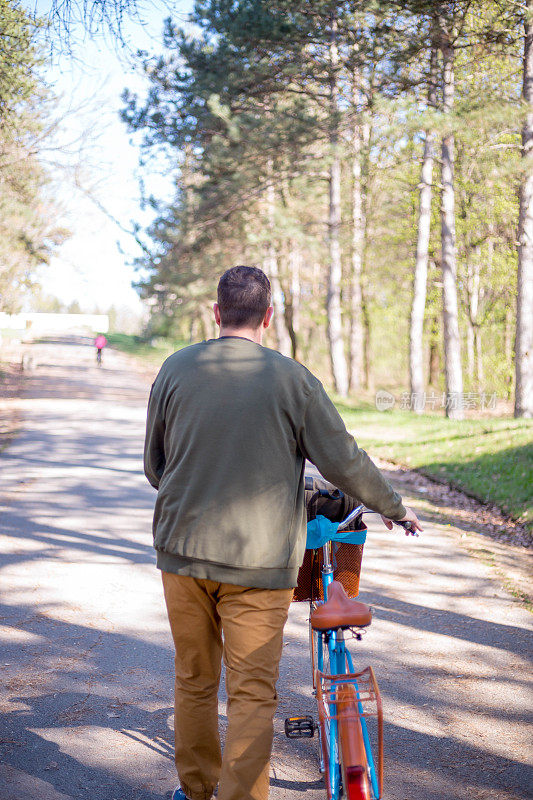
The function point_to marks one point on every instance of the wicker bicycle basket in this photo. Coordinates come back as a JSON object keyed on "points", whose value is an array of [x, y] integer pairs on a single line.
{"points": [[346, 569], [346, 558]]}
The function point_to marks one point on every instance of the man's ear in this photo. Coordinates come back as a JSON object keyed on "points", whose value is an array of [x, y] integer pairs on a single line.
{"points": [[216, 312], [268, 317]]}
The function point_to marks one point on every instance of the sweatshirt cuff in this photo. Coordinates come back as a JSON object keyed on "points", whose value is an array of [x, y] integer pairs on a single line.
{"points": [[401, 512], [395, 510]]}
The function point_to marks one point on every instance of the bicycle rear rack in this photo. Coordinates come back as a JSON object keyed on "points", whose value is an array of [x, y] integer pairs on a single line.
{"points": [[352, 697]]}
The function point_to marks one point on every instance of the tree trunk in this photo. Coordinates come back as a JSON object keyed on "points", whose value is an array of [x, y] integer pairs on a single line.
{"points": [[524, 305], [421, 273], [333, 304], [470, 357], [193, 337], [316, 279], [367, 358], [473, 285], [293, 308], [452, 342], [434, 355], [187, 182], [282, 335], [508, 349], [272, 270], [474, 313], [205, 323], [480, 375], [358, 243], [416, 345], [508, 335], [434, 364]]}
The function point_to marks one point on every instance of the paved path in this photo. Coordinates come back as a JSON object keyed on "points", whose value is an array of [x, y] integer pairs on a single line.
{"points": [[86, 657]]}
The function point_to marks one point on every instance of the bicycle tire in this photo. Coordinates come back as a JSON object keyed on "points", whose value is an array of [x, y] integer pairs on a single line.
{"points": [[313, 656], [313, 650]]}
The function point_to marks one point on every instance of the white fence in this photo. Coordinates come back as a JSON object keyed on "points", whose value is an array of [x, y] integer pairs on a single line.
{"points": [[32, 323]]}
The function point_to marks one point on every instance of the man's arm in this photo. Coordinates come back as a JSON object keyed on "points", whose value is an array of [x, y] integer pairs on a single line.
{"points": [[154, 443], [324, 440]]}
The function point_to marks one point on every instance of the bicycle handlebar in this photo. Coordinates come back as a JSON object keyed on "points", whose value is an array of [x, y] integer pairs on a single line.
{"points": [[357, 512], [407, 525]]}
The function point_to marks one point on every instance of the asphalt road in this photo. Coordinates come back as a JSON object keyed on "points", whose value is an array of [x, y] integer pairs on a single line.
{"points": [[86, 655]]}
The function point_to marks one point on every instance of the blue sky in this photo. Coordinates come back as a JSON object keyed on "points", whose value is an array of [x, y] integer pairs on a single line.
{"points": [[94, 265]]}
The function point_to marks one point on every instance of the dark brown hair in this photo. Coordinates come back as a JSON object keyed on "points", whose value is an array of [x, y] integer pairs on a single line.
{"points": [[243, 297]]}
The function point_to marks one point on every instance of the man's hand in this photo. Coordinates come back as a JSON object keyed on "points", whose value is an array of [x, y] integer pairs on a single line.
{"points": [[410, 516]]}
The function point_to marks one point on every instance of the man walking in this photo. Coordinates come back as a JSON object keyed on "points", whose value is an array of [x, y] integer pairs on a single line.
{"points": [[230, 424]]}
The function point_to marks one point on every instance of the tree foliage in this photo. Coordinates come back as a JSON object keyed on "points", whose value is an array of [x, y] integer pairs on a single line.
{"points": [[254, 101], [28, 230]]}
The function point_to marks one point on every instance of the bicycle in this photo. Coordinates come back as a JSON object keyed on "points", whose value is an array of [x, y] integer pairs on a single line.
{"points": [[346, 698], [100, 342]]}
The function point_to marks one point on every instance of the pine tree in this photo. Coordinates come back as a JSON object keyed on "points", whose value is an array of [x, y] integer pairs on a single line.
{"points": [[524, 311], [416, 346]]}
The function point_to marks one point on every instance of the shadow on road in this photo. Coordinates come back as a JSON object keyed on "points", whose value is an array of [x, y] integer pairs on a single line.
{"points": [[115, 734], [87, 698]]}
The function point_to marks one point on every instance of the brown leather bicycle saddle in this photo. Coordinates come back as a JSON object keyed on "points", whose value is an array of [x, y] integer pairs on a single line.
{"points": [[339, 611]]}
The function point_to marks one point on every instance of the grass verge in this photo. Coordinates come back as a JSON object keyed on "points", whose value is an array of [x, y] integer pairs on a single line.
{"points": [[490, 459], [153, 353]]}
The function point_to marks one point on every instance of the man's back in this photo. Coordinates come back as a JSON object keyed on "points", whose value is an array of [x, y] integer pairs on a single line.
{"points": [[230, 488], [230, 424]]}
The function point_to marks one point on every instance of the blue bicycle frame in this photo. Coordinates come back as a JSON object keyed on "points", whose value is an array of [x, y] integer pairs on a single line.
{"points": [[341, 663]]}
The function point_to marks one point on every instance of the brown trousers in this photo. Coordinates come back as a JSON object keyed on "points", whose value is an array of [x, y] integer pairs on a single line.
{"points": [[252, 622]]}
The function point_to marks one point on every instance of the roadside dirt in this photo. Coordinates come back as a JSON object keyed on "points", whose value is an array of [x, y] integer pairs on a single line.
{"points": [[488, 519], [11, 383], [502, 543]]}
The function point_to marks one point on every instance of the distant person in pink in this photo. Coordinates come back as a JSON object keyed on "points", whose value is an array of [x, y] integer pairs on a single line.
{"points": [[100, 342]]}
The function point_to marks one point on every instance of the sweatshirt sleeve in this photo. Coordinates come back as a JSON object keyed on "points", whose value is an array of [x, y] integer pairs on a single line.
{"points": [[324, 440], [154, 443]]}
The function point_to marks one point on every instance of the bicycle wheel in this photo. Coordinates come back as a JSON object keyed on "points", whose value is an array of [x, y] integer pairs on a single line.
{"points": [[319, 659], [319, 653]]}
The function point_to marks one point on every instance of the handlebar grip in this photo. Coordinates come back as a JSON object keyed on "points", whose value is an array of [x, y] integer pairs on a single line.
{"points": [[407, 525]]}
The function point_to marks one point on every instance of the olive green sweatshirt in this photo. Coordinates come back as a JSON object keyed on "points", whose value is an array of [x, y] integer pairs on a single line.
{"points": [[230, 424]]}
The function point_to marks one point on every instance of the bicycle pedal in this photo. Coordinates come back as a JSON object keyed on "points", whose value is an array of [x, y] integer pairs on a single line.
{"points": [[300, 727]]}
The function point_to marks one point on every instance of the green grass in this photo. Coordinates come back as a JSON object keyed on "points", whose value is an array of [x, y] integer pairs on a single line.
{"points": [[154, 354], [491, 459]]}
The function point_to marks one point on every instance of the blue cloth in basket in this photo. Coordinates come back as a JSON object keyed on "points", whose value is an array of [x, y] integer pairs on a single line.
{"points": [[321, 530]]}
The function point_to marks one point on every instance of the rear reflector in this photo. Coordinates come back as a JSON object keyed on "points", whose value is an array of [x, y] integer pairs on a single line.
{"points": [[357, 785]]}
